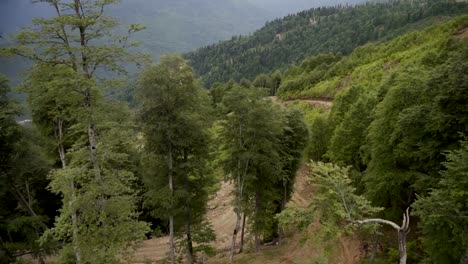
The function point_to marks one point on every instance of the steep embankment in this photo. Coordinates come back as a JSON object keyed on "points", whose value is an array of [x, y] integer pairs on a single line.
{"points": [[327, 75], [296, 247], [339, 29], [222, 216]]}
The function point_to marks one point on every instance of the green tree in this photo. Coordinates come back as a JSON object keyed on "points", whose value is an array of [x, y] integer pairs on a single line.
{"points": [[263, 82], [349, 136], [260, 149], [23, 170], [175, 118], [276, 79], [78, 42], [319, 134], [339, 208], [444, 211]]}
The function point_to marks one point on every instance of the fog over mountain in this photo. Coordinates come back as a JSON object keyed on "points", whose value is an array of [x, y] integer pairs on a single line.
{"points": [[175, 25]]}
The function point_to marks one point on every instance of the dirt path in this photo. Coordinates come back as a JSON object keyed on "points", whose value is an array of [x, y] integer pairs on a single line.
{"points": [[220, 214], [314, 102], [292, 249]]}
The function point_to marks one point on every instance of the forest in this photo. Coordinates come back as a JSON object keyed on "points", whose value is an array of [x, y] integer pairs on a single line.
{"points": [[374, 131], [337, 29]]}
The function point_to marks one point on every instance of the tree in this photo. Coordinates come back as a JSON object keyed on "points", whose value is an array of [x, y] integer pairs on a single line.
{"points": [[23, 170], [175, 118], [263, 82], [293, 142], [338, 198], [250, 149], [276, 79], [336, 201], [79, 43], [349, 136], [443, 212]]}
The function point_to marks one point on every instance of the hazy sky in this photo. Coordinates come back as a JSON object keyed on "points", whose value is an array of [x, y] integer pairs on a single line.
{"points": [[15, 14]]}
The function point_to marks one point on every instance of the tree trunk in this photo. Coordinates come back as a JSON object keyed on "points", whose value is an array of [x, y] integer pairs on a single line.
{"points": [[242, 234], [257, 211], [238, 221], [74, 216], [402, 232], [374, 249], [92, 138], [240, 182], [285, 194], [191, 257], [41, 259], [402, 245], [171, 216], [188, 219]]}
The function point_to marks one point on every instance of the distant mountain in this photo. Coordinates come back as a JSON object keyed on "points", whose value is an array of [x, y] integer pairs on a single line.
{"points": [[337, 29], [173, 26], [280, 8]]}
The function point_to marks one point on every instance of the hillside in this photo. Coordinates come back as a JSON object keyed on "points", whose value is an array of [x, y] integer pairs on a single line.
{"points": [[337, 29], [354, 152], [398, 118], [326, 75], [293, 249], [171, 26], [399, 108]]}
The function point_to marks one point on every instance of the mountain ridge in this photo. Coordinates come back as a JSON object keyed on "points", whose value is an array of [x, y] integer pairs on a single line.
{"points": [[337, 29]]}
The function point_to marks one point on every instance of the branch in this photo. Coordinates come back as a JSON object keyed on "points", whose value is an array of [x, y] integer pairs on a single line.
{"points": [[380, 221]]}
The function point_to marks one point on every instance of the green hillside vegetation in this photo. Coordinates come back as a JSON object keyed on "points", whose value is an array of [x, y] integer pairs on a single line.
{"points": [[338, 29], [385, 126], [399, 107], [325, 75]]}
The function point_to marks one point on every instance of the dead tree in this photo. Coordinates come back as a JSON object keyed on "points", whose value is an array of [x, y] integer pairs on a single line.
{"points": [[403, 230]]}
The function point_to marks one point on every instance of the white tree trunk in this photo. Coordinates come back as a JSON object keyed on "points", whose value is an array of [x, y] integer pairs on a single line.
{"points": [[74, 216], [402, 232]]}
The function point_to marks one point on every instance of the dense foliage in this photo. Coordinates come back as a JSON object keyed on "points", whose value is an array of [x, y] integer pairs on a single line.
{"points": [[27, 208], [175, 117], [444, 211], [398, 107], [389, 118], [261, 147], [337, 29]]}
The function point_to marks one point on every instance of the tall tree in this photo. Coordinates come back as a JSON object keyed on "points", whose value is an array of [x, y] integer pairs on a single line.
{"points": [[444, 211], [79, 42], [260, 145], [175, 118], [23, 170]]}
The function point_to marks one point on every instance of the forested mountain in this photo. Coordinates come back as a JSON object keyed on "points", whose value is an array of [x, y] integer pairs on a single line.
{"points": [[399, 108], [337, 29], [171, 26], [374, 134], [398, 124]]}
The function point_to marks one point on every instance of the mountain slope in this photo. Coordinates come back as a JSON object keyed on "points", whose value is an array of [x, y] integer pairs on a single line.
{"points": [[172, 26], [333, 29]]}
